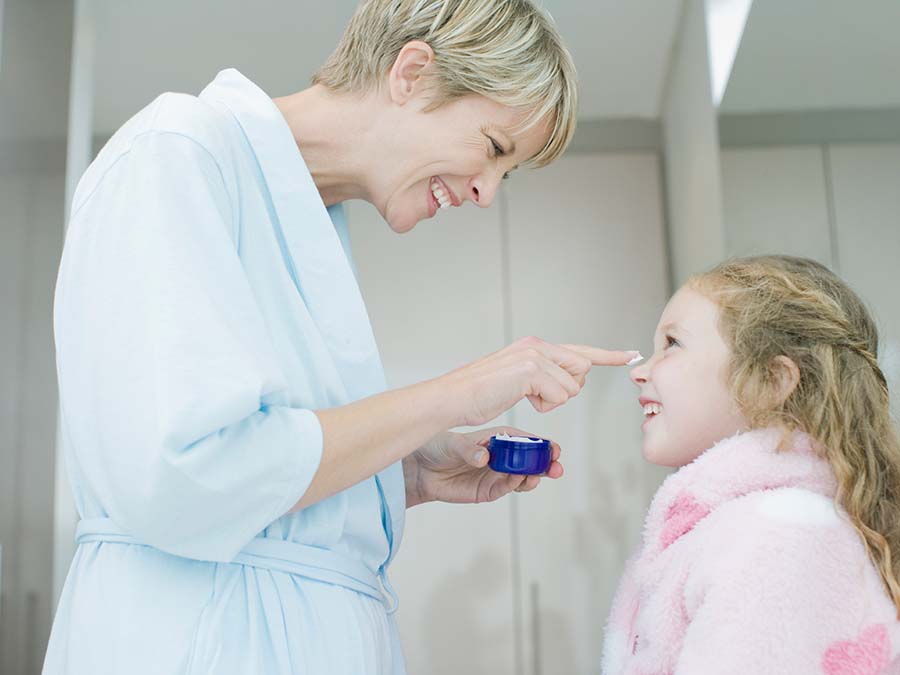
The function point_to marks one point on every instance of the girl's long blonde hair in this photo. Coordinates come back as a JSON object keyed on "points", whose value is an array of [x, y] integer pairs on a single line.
{"points": [[773, 306]]}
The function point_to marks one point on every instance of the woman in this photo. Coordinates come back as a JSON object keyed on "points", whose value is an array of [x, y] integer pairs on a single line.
{"points": [[241, 473]]}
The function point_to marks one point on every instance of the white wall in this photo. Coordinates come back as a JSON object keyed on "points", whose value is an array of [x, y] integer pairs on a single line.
{"points": [[587, 246], [866, 181], [574, 253], [775, 200], [30, 244], [435, 300], [690, 131], [33, 97], [838, 204]]}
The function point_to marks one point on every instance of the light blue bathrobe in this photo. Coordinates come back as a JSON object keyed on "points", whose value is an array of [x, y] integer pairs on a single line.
{"points": [[206, 304]]}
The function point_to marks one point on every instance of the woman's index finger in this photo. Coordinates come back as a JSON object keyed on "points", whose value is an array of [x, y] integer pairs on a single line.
{"points": [[606, 357]]}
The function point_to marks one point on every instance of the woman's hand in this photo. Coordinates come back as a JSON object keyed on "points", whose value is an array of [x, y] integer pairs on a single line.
{"points": [[546, 374], [453, 467]]}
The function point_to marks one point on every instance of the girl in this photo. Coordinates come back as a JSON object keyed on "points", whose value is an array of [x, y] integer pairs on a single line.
{"points": [[775, 548]]}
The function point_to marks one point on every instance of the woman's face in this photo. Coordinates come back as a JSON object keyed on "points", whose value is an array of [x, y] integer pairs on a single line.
{"points": [[683, 387], [442, 158]]}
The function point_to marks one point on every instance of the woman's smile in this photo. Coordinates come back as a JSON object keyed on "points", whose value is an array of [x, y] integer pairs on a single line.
{"points": [[440, 196]]}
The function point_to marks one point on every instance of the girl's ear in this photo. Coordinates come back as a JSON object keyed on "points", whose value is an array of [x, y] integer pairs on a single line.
{"points": [[785, 378]]}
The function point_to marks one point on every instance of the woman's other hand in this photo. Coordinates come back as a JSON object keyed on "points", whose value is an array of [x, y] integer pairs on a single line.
{"points": [[453, 467]]}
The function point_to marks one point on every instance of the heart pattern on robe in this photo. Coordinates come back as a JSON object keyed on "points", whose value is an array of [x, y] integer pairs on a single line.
{"points": [[867, 655]]}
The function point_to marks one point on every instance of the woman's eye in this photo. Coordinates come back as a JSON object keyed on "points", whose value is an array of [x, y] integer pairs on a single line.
{"points": [[498, 149], [506, 175]]}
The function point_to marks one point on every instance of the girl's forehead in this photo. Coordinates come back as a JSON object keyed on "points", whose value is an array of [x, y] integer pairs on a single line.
{"points": [[688, 308]]}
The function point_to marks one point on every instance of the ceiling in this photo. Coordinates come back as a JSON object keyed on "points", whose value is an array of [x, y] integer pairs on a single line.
{"points": [[815, 55], [794, 55], [621, 48]]}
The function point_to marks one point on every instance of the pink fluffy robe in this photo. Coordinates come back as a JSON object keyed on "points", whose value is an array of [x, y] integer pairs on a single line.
{"points": [[747, 565]]}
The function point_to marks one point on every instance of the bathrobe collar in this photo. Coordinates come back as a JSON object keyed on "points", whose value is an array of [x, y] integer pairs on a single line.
{"points": [[745, 463], [316, 257]]}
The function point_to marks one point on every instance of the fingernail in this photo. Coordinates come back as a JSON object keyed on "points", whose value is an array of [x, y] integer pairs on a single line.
{"points": [[635, 358], [480, 455]]}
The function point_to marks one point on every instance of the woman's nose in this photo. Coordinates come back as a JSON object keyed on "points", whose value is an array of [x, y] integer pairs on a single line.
{"points": [[483, 189]]}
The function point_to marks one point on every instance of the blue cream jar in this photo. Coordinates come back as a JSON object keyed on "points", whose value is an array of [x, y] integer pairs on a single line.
{"points": [[519, 454]]}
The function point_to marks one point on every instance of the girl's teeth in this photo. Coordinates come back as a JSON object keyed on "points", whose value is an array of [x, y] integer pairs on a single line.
{"points": [[652, 409]]}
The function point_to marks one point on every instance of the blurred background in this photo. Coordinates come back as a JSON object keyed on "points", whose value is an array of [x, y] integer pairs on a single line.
{"points": [[707, 129]]}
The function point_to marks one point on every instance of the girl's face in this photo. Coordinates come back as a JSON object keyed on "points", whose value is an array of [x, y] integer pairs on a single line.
{"points": [[683, 387]]}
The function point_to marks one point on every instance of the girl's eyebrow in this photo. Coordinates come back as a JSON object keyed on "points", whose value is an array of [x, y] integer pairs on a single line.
{"points": [[672, 325]]}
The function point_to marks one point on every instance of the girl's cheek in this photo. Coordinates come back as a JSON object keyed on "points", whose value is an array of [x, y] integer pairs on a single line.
{"points": [[667, 367]]}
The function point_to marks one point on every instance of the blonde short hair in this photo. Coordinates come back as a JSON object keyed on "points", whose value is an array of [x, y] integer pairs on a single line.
{"points": [[505, 50]]}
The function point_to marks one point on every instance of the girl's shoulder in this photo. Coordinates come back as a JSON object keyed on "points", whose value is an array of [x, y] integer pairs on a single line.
{"points": [[782, 537], [769, 520]]}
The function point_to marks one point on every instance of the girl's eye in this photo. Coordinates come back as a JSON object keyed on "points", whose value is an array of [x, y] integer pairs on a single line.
{"points": [[671, 342]]}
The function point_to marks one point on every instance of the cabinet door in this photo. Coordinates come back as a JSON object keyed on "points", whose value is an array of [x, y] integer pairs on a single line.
{"points": [[774, 201], [434, 298], [867, 212], [588, 265]]}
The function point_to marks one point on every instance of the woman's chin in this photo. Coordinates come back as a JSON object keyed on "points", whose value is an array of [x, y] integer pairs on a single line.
{"points": [[402, 226], [401, 223]]}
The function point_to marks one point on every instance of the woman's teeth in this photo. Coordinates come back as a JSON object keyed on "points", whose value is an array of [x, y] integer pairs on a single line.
{"points": [[652, 409], [442, 198]]}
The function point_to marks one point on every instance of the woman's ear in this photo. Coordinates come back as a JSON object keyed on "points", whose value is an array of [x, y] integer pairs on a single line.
{"points": [[785, 378], [408, 70]]}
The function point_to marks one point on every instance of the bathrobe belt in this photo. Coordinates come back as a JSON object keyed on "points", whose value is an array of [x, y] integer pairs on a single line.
{"points": [[312, 562]]}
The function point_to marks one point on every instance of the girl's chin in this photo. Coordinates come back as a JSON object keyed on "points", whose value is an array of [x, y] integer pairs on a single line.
{"points": [[660, 456]]}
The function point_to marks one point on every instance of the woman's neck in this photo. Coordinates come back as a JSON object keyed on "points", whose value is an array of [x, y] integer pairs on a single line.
{"points": [[334, 133]]}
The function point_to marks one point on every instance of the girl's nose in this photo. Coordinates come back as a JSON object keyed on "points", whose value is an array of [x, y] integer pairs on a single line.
{"points": [[639, 373]]}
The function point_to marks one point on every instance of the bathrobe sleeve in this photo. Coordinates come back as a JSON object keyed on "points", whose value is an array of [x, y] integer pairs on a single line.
{"points": [[773, 595], [173, 400]]}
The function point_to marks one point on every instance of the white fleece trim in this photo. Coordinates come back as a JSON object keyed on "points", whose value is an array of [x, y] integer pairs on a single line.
{"points": [[799, 507]]}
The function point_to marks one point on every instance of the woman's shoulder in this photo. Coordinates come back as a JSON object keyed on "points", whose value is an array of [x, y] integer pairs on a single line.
{"points": [[181, 115], [177, 132]]}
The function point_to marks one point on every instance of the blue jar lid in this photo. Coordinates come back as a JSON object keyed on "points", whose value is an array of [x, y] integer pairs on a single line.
{"points": [[519, 454]]}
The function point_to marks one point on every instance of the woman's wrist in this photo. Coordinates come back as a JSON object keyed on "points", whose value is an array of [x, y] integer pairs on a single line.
{"points": [[411, 481], [412, 471], [442, 397]]}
